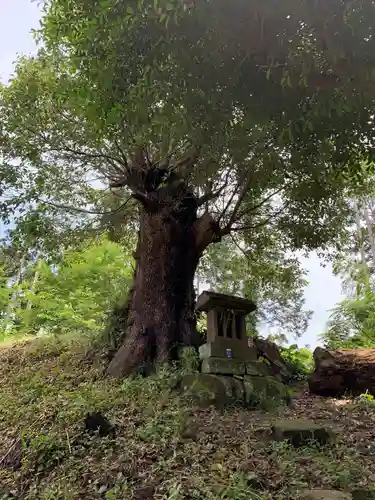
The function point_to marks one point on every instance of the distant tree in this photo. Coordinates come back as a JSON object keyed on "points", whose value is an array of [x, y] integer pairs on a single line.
{"points": [[352, 322], [262, 272], [5, 294], [217, 118], [78, 293]]}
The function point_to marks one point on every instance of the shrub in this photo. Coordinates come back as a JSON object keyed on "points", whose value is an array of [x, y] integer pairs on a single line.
{"points": [[299, 360]]}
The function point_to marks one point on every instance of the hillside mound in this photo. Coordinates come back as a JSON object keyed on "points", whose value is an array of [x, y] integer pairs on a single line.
{"points": [[159, 445]]}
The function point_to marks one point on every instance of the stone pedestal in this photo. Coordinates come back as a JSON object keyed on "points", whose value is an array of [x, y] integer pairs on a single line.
{"points": [[227, 349]]}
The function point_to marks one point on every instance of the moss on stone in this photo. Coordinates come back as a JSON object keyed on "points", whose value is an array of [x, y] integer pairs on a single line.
{"points": [[264, 391], [207, 389]]}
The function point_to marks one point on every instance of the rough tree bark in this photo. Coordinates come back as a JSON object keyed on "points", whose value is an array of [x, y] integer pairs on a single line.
{"points": [[161, 311]]}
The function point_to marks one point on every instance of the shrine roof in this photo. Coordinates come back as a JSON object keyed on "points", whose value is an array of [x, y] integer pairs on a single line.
{"points": [[212, 300]]}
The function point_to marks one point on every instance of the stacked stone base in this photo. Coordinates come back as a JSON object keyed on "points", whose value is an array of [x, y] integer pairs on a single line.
{"points": [[228, 381]]}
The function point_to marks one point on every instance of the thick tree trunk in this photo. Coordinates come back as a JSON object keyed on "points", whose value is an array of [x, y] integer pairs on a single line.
{"points": [[161, 311]]}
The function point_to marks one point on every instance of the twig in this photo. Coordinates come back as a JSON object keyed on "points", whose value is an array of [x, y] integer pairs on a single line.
{"points": [[68, 441]]}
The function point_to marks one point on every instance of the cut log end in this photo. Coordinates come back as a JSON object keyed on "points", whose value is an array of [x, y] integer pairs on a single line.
{"points": [[343, 371]]}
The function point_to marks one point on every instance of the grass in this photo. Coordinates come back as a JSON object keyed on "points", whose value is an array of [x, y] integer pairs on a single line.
{"points": [[164, 447]]}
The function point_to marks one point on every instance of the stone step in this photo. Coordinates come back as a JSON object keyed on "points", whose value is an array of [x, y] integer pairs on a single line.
{"points": [[302, 432]]}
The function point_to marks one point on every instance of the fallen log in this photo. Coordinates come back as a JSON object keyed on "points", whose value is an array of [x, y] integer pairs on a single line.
{"points": [[343, 371]]}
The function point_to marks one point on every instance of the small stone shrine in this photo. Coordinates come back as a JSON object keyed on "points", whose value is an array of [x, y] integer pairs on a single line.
{"points": [[226, 330], [230, 371]]}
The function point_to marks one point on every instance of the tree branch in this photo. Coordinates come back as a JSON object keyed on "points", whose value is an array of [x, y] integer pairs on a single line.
{"points": [[212, 195], [263, 223], [187, 162], [123, 156], [206, 230], [84, 210], [98, 156], [241, 196], [260, 204], [238, 246], [119, 183], [76, 152], [144, 199]]}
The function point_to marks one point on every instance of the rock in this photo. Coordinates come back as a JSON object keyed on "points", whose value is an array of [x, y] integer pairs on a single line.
{"points": [[189, 432], [255, 482], [325, 495], [301, 432], [207, 389], [257, 369], [223, 366], [97, 422], [271, 353], [145, 492], [363, 494], [259, 390], [343, 371], [220, 390]]}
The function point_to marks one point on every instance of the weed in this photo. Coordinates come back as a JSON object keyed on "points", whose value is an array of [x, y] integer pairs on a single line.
{"points": [[366, 399], [239, 489], [190, 362]]}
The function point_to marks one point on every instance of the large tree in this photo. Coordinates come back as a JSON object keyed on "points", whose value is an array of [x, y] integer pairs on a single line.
{"points": [[215, 117]]}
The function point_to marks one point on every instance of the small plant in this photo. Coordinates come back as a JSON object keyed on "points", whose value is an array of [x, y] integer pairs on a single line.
{"points": [[366, 399], [189, 359], [367, 396], [47, 450], [121, 490], [239, 489], [175, 492]]}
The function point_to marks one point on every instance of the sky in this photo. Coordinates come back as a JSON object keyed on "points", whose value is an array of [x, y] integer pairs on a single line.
{"points": [[19, 17]]}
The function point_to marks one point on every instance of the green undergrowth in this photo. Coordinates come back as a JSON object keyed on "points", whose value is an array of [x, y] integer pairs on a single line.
{"points": [[164, 447]]}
